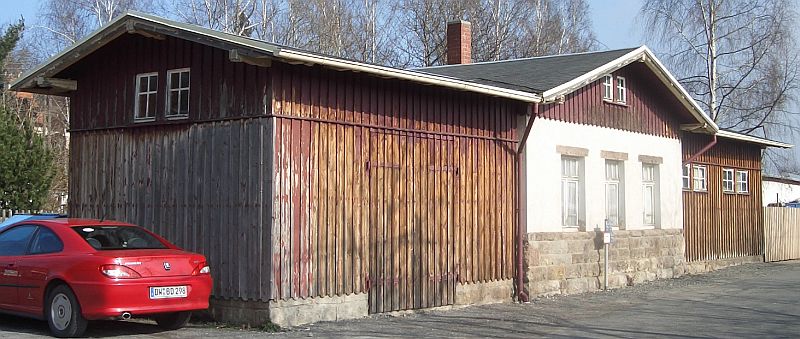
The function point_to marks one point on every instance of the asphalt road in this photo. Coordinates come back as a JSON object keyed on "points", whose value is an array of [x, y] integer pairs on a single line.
{"points": [[755, 300]]}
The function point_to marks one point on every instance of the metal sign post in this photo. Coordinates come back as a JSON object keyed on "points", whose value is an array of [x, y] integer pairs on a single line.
{"points": [[608, 238]]}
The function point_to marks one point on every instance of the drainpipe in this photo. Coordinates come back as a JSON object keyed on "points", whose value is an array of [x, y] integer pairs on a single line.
{"points": [[523, 228], [701, 151]]}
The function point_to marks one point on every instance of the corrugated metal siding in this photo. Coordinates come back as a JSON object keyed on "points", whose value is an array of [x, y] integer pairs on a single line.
{"points": [[390, 188], [219, 89], [650, 108], [205, 187], [721, 225]]}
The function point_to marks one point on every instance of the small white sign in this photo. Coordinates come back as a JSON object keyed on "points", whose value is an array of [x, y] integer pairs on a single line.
{"points": [[606, 238]]}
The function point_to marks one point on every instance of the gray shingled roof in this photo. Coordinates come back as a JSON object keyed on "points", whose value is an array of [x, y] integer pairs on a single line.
{"points": [[536, 75]]}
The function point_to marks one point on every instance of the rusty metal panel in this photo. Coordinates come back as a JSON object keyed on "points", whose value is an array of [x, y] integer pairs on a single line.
{"points": [[202, 186], [720, 225]]}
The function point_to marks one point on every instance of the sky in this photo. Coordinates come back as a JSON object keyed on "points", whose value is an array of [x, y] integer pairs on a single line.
{"points": [[612, 19]]}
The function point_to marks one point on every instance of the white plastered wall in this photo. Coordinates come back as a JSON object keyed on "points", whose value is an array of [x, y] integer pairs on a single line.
{"points": [[543, 175]]}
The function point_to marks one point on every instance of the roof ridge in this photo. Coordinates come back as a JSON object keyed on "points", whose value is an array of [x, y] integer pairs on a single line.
{"points": [[530, 58]]}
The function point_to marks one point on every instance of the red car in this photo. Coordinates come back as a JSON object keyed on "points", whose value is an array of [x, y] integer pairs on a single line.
{"points": [[70, 271]]}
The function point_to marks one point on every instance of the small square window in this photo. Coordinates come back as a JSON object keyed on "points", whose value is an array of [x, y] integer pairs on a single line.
{"points": [[742, 182], [178, 93], [727, 180], [621, 92], [608, 87], [687, 179], [699, 178], [146, 97]]}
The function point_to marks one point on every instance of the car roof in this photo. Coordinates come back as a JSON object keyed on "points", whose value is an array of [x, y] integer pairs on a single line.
{"points": [[71, 222]]}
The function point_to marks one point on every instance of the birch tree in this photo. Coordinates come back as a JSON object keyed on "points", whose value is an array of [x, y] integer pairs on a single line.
{"points": [[737, 58]]}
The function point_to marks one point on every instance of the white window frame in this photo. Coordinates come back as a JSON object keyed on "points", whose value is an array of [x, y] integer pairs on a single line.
{"points": [[566, 180], [728, 180], [622, 94], [700, 183], [686, 177], [608, 87], [178, 89], [151, 116], [651, 184], [615, 181], [742, 182]]}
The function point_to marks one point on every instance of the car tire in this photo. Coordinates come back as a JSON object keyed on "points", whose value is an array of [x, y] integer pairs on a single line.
{"points": [[63, 313], [173, 321]]}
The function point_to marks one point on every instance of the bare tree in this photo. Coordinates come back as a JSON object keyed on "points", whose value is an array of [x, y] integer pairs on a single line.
{"points": [[734, 56]]}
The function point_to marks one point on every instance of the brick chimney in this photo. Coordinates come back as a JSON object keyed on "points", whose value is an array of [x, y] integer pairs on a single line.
{"points": [[459, 42]]}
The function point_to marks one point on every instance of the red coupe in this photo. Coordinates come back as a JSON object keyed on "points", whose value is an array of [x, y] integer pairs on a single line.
{"points": [[70, 271]]}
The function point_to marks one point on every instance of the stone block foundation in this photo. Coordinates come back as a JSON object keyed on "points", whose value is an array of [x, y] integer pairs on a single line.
{"points": [[287, 313], [572, 262]]}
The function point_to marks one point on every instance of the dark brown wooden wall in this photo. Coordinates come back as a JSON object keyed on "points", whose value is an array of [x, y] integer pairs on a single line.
{"points": [[391, 188], [650, 108], [721, 225], [219, 89], [205, 187]]}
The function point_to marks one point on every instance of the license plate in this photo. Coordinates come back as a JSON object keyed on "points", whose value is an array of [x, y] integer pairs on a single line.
{"points": [[168, 292]]}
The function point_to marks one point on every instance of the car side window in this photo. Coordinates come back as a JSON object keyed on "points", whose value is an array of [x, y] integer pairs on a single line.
{"points": [[15, 241], [45, 241]]}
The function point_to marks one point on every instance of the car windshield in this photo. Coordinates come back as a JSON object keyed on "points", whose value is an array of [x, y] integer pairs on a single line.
{"points": [[118, 238]]}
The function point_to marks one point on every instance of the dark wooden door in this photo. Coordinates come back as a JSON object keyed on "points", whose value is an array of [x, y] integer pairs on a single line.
{"points": [[412, 187]]}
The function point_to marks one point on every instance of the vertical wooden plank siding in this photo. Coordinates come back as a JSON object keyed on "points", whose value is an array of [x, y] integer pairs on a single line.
{"points": [[781, 234], [720, 225], [392, 181], [646, 110], [199, 185], [219, 89]]}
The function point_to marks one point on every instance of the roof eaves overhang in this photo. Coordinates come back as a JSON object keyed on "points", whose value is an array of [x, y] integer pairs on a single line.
{"points": [[752, 139], [641, 54], [420, 77], [134, 22]]}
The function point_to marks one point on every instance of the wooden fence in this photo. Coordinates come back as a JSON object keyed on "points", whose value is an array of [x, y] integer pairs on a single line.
{"points": [[781, 233]]}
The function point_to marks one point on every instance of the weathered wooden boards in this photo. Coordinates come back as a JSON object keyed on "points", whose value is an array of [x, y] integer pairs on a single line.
{"points": [[720, 225], [781, 233], [385, 188], [204, 187]]}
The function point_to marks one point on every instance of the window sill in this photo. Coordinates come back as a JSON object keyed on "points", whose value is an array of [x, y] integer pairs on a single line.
{"points": [[729, 192], [178, 117], [700, 191], [615, 103], [138, 120]]}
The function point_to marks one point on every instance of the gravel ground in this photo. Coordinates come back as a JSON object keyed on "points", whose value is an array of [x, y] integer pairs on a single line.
{"points": [[745, 301]]}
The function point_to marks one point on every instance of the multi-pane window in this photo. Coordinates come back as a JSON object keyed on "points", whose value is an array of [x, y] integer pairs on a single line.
{"points": [[570, 190], [650, 193], [608, 87], [699, 180], [146, 96], [687, 179], [621, 95], [613, 186], [727, 180], [742, 182], [178, 93]]}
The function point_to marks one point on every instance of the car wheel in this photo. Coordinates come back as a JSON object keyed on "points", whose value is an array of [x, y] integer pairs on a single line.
{"points": [[63, 313], [173, 321]]}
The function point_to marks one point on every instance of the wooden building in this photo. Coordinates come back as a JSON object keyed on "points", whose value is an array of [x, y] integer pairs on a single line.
{"points": [[318, 188], [722, 189], [605, 150]]}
